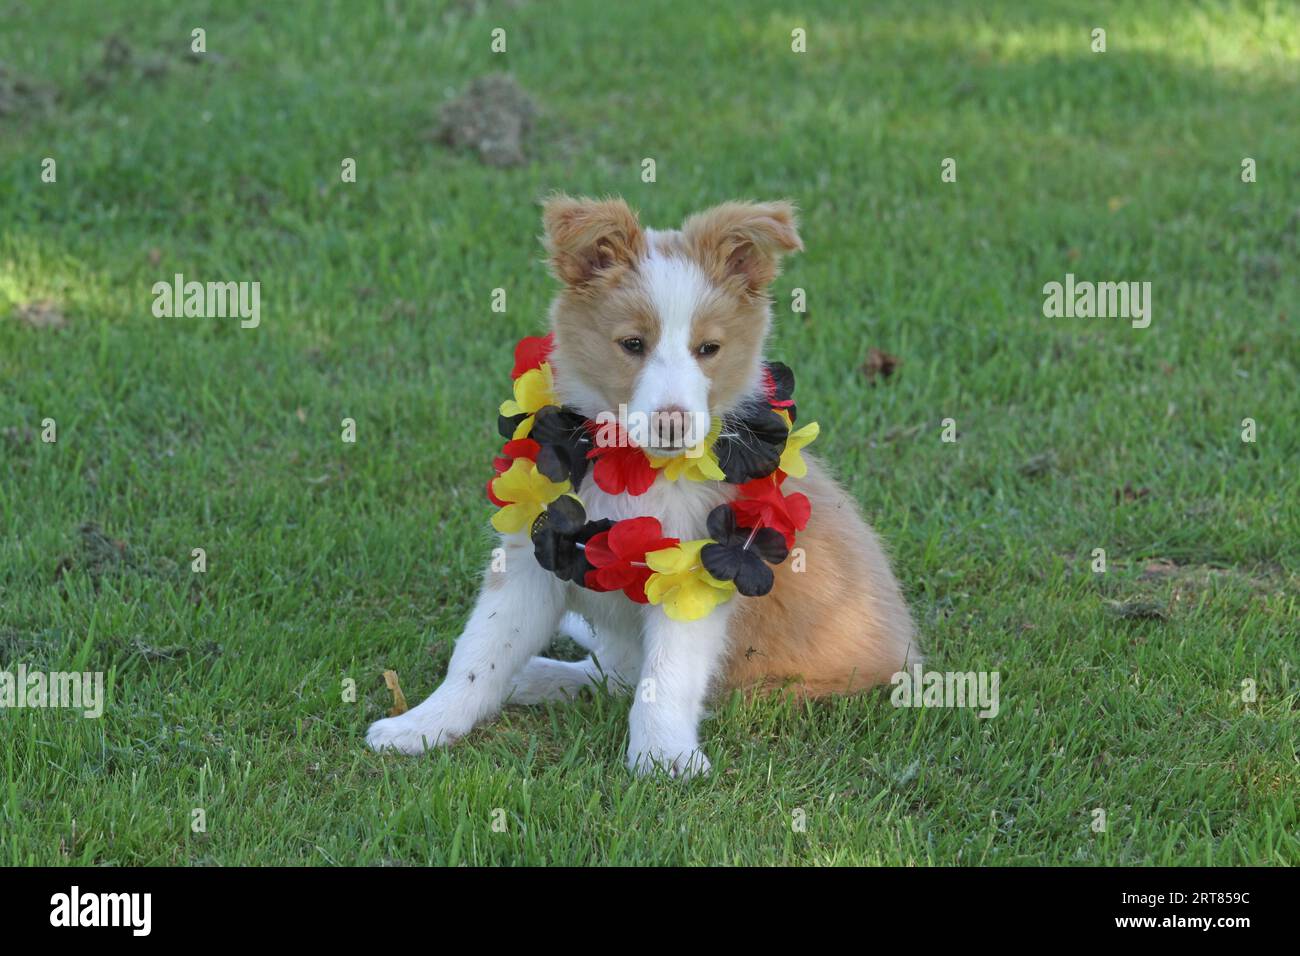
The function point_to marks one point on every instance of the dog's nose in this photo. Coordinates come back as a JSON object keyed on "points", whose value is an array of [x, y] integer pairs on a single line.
{"points": [[670, 426]]}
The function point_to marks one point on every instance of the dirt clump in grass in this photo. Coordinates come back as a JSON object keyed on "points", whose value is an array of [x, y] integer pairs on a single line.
{"points": [[1186, 581], [21, 95], [97, 555], [493, 118], [1139, 610], [1038, 465], [119, 61], [41, 314], [100, 552], [879, 365], [1129, 493]]}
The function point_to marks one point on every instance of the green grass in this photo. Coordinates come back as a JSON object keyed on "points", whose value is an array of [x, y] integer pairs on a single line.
{"points": [[330, 562]]}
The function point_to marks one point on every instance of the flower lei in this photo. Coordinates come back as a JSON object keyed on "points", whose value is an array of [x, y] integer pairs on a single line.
{"points": [[549, 449]]}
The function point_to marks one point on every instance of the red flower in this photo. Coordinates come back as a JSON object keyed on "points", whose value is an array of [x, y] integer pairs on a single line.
{"points": [[531, 352], [622, 468], [762, 505], [519, 448], [618, 556]]}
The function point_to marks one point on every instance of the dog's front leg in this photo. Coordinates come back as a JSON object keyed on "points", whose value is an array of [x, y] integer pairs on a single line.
{"points": [[681, 659], [515, 617]]}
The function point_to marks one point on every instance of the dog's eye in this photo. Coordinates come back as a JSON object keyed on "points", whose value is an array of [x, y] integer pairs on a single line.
{"points": [[633, 346], [707, 349]]}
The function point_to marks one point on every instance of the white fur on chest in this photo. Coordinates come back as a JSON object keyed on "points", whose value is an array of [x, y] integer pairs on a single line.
{"points": [[681, 506]]}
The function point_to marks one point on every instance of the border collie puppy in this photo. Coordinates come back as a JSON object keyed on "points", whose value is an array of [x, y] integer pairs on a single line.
{"points": [[655, 323]]}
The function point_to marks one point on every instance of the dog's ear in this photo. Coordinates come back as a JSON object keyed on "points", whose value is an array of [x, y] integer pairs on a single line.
{"points": [[741, 243], [588, 239]]}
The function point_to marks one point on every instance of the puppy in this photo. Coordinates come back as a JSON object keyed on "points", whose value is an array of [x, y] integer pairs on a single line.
{"points": [[670, 322]]}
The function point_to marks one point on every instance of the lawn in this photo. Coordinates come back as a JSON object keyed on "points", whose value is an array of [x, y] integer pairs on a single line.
{"points": [[1162, 691]]}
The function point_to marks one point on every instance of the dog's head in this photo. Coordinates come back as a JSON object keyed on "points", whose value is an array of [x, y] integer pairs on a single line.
{"points": [[669, 324]]}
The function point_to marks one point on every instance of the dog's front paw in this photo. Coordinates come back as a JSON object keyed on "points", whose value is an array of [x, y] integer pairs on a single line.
{"points": [[683, 759], [414, 732]]}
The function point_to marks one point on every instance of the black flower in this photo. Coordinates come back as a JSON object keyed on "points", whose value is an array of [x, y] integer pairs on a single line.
{"points": [[778, 384], [558, 534], [565, 441], [739, 553], [750, 445], [506, 425], [782, 381]]}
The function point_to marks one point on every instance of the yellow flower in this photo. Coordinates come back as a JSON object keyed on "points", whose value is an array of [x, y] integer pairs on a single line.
{"points": [[682, 585], [792, 462], [698, 464], [528, 492], [533, 390]]}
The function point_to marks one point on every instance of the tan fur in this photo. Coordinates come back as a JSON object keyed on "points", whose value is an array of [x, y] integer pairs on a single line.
{"points": [[593, 248], [739, 323], [740, 243], [839, 626], [589, 239], [587, 330]]}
